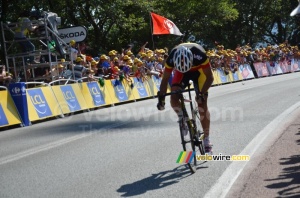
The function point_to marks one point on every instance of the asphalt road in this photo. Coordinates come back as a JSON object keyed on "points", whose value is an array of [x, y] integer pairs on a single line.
{"points": [[131, 150]]}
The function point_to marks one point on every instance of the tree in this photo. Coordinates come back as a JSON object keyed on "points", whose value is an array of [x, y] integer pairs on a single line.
{"points": [[115, 24]]}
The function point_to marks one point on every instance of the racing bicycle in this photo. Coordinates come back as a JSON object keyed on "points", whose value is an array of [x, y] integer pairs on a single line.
{"points": [[192, 139]]}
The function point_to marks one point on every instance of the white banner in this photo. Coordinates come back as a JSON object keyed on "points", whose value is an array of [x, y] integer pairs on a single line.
{"points": [[78, 33]]}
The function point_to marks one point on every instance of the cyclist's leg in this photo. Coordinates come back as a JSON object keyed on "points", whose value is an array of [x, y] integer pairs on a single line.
{"points": [[176, 85], [203, 108]]}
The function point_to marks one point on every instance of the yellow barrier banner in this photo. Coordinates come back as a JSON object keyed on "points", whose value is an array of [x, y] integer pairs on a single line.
{"points": [[8, 111], [129, 88], [70, 98], [139, 89], [217, 80], [42, 103], [222, 76], [239, 75], [109, 87], [94, 95], [157, 81], [151, 86]]}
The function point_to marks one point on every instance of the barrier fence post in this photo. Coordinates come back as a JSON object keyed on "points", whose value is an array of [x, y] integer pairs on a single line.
{"points": [[18, 94]]}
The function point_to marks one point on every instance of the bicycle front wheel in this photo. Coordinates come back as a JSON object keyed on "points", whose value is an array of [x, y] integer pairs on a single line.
{"points": [[199, 136], [188, 146]]}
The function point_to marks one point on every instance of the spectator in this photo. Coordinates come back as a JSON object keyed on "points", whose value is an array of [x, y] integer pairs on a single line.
{"points": [[74, 51], [127, 68], [57, 71], [82, 48], [115, 68], [141, 72], [94, 68], [79, 69], [134, 66], [142, 49], [5, 77], [104, 66], [130, 54], [68, 73], [150, 65], [112, 54], [124, 61], [159, 66]]}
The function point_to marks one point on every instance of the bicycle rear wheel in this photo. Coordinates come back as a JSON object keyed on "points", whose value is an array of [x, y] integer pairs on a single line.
{"points": [[188, 146]]}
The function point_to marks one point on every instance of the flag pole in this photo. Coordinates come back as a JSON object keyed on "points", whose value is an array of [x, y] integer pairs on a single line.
{"points": [[151, 30]]}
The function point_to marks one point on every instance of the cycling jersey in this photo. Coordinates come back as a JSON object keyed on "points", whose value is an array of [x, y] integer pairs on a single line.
{"points": [[200, 59], [196, 74]]}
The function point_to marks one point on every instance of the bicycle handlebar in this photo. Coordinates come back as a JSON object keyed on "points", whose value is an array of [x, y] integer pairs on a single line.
{"points": [[176, 92]]}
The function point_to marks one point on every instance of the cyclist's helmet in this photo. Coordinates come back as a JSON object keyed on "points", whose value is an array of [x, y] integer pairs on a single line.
{"points": [[183, 59]]}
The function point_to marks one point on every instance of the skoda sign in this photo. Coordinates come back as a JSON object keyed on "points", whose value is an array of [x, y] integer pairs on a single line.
{"points": [[77, 33]]}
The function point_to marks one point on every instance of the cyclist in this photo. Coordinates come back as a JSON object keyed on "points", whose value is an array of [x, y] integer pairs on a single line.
{"points": [[189, 61]]}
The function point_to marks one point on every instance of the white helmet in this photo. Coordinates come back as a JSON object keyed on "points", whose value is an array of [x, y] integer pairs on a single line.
{"points": [[183, 59]]}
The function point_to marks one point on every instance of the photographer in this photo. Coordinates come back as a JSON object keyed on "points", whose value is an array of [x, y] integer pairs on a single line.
{"points": [[22, 32]]}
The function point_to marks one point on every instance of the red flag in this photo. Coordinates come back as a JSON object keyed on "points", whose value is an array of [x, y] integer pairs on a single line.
{"points": [[162, 25]]}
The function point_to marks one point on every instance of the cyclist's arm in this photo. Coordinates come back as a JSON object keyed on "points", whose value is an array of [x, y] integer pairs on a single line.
{"points": [[164, 81], [209, 79]]}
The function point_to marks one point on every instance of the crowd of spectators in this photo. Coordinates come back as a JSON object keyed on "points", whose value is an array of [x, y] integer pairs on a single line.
{"points": [[114, 65], [125, 64], [229, 59]]}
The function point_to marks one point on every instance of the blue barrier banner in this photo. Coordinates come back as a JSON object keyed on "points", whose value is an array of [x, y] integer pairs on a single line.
{"points": [[3, 119], [119, 90], [39, 102], [18, 94], [140, 88], [70, 97], [96, 93]]}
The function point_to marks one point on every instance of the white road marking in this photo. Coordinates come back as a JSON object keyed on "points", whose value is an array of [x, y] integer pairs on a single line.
{"points": [[256, 147]]}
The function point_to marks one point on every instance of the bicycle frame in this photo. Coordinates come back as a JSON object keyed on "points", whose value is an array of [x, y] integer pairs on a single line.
{"points": [[190, 122]]}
